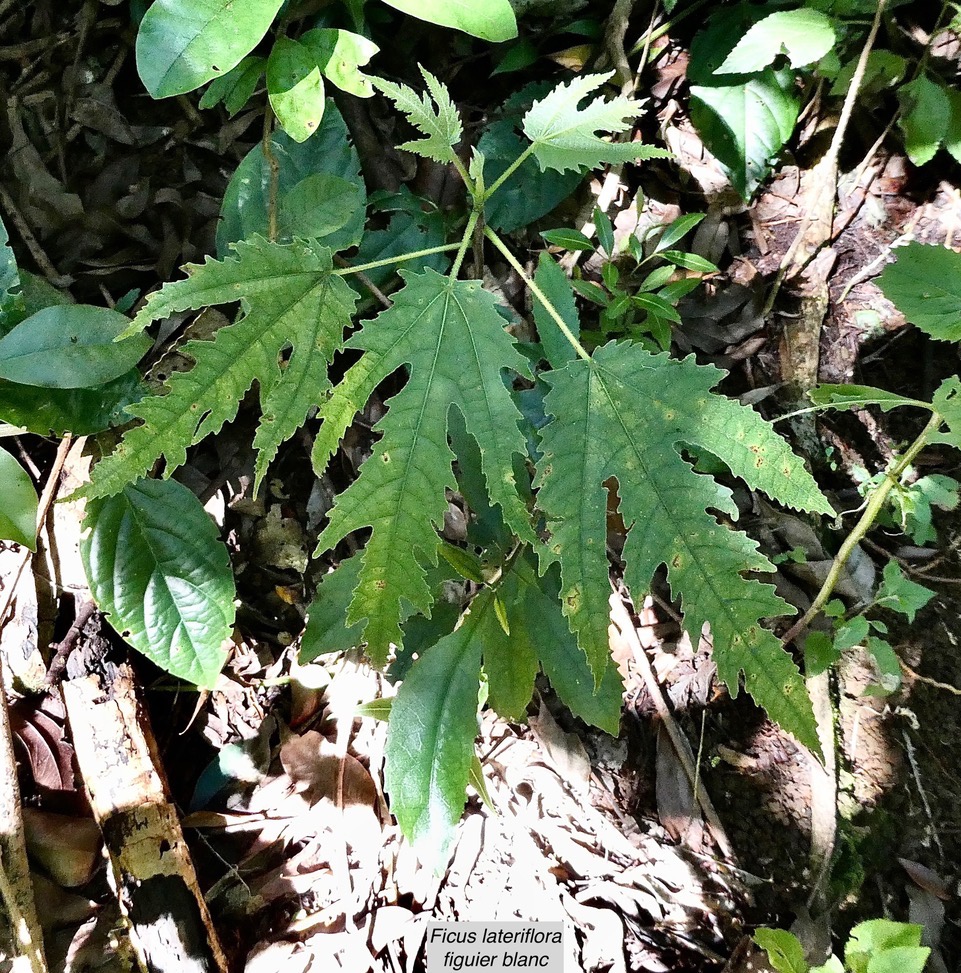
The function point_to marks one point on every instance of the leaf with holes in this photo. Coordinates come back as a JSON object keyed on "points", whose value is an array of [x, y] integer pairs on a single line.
{"points": [[156, 565], [453, 341], [628, 414]]}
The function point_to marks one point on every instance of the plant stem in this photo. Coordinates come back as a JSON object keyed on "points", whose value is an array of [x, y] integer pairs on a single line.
{"points": [[465, 242], [400, 258], [874, 506], [649, 36], [274, 166], [537, 292], [507, 173]]}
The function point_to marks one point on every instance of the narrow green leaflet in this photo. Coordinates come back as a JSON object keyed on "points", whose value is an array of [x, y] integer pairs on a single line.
{"points": [[452, 339], [439, 121], [70, 346], [844, 396], [18, 512], [183, 44], [295, 88], [155, 563], [924, 284], [564, 136], [290, 301], [557, 288], [598, 433], [804, 35], [326, 629], [491, 20], [430, 739]]}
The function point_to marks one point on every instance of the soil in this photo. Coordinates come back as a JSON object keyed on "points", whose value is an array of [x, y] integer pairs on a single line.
{"points": [[105, 194]]}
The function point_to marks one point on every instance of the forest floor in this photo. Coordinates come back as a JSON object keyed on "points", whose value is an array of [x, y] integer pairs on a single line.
{"points": [[103, 192]]}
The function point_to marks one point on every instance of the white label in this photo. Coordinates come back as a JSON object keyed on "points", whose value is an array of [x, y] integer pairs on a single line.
{"points": [[495, 946]]}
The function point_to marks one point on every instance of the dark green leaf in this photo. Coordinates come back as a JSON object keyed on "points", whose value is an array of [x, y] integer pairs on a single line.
{"points": [[156, 565], [327, 630], [557, 289], [924, 284], [70, 346], [236, 86]]}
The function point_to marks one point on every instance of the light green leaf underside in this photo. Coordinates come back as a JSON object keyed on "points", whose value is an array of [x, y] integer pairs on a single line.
{"points": [[438, 121], [805, 36], [181, 46], [565, 135], [598, 433], [291, 302], [450, 336], [491, 20], [430, 738], [156, 565]]}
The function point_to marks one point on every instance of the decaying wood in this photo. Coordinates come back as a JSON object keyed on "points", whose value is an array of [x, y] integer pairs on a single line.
{"points": [[152, 871], [22, 927]]}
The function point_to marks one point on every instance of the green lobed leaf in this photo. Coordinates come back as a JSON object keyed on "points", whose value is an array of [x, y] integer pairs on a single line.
{"points": [[529, 193], [69, 346], [453, 340], [924, 284], [438, 119], [340, 55], [491, 20], [295, 88], [430, 738], [327, 630], [244, 211], [18, 513], [540, 633], [626, 414], [803, 35], [290, 301], [156, 565], [182, 44], [235, 88], [564, 135]]}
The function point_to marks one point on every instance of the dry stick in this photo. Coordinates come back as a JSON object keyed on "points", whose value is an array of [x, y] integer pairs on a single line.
{"points": [[829, 162], [623, 621], [274, 166]]}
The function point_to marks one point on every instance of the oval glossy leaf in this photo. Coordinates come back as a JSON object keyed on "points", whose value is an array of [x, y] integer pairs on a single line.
{"points": [[183, 44], [295, 88], [18, 512], [804, 36], [70, 346], [156, 565], [491, 20]]}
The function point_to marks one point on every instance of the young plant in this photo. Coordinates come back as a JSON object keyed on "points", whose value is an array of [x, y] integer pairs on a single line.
{"points": [[446, 335], [875, 946]]}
